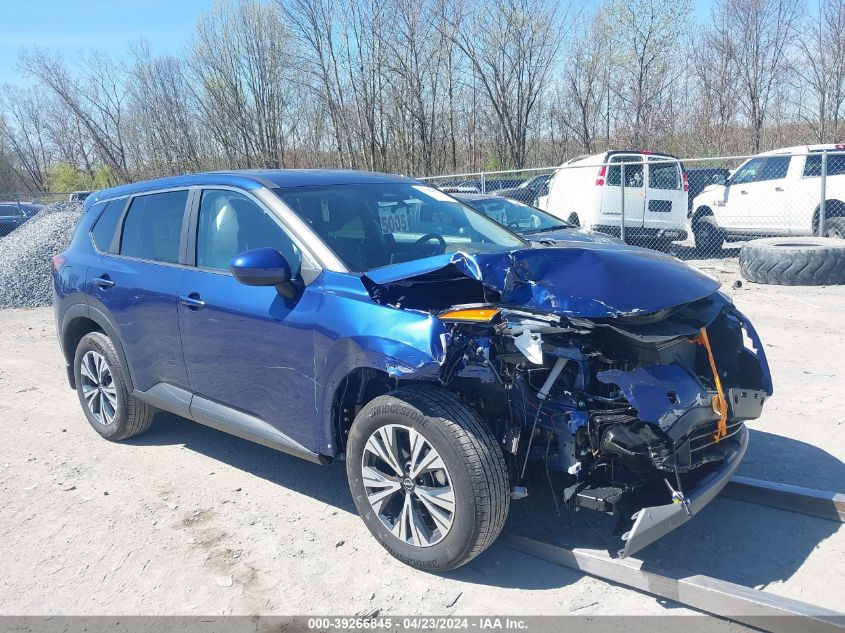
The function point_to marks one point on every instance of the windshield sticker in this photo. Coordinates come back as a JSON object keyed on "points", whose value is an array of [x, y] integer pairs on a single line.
{"points": [[393, 219]]}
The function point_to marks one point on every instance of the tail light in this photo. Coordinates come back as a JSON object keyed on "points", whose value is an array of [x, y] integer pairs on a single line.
{"points": [[57, 261], [685, 176], [839, 146], [600, 177]]}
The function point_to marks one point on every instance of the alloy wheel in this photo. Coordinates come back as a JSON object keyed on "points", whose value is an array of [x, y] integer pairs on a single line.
{"points": [[98, 387], [408, 485]]}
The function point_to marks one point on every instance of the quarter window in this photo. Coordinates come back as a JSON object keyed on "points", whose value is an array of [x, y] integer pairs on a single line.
{"points": [[103, 231], [153, 226], [231, 223]]}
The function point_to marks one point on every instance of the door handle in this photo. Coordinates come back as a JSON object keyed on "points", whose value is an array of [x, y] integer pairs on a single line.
{"points": [[778, 188], [743, 192], [103, 282], [192, 301]]}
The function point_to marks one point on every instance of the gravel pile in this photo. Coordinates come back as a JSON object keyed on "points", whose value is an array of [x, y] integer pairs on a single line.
{"points": [[25, 253]]}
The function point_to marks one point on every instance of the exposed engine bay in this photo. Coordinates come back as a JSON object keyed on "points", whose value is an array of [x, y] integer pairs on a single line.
{"points": [[614, 412]]}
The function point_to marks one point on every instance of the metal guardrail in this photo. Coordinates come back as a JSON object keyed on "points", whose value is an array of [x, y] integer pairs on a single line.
{"points": [[754, 607]]}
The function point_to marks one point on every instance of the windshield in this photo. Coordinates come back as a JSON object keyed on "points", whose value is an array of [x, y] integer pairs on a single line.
{"points": [[373, 225], [517, 216]]}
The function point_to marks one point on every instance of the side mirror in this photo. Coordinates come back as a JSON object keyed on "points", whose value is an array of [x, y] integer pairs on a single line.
{"points": [[720, 179], [264, 267]]}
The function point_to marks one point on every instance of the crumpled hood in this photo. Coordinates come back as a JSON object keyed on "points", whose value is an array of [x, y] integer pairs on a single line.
{"points": [[587, 279]]}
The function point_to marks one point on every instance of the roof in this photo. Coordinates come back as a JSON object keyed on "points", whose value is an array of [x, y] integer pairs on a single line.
{"points": [[601, 157], [255, 179], [803, 149]]}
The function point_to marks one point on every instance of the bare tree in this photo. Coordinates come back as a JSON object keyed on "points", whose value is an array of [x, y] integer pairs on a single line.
{"points": [[164, 116], [512, 46], [820, 69], [645, 37], [584, 78], [716, 101], [95, 96], [241, 60], [759, 34], [24, 129]]}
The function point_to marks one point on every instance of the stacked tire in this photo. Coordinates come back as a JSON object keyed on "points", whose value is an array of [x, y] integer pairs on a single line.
{"points": [[794, 261]]}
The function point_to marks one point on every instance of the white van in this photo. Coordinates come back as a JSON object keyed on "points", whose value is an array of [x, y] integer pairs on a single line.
{"points": [[587, 191]]}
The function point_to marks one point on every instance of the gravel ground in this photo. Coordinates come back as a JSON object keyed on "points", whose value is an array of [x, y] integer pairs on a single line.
{"points": [[25, 255], [187, 520]]}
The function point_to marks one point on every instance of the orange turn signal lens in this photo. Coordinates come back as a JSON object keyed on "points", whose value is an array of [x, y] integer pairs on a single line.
{"points": [[478, 315]]}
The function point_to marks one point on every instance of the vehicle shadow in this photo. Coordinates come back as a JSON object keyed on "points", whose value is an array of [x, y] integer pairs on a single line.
{"points": [[325, 483], [691, 253], [730, 540]]}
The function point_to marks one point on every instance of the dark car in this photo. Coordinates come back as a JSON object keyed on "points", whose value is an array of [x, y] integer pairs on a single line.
{"points": [[13, 214], [700, 177], [377, 320], [530, 222], [487, 185], [528, 191]]}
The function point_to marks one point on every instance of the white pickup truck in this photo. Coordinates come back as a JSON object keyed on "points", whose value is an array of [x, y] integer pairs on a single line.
{"points": [[772, 194]]}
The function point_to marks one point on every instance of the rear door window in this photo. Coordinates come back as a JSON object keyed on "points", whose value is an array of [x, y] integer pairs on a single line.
{"points": [[835, 165], [663, 175], [633, 171], [153, 226]]}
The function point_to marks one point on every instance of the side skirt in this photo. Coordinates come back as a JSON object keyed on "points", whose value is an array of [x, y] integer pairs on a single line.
{"points": [[219, 416]]}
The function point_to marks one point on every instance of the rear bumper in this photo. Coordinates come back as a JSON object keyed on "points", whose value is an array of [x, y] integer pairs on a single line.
{"points": [[655, 522], [640, 232]]}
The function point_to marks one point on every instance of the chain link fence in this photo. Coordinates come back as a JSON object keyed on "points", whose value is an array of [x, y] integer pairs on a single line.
{"points": [[17, 208], [694, 208]]}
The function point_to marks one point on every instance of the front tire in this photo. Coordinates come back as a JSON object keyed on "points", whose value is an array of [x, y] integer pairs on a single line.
{"points": [[104, 393], [708, 236], [427, 477]]}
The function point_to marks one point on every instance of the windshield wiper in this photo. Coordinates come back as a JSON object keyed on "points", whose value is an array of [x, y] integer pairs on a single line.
{"points": [[549, 228]]}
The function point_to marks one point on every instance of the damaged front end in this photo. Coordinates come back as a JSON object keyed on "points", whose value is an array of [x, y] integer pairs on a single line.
{"points": [[620, 404]]}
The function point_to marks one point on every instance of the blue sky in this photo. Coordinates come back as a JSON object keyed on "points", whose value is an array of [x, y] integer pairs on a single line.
{"points": [[70, 26]]}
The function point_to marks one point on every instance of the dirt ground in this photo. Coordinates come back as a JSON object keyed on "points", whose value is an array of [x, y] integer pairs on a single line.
{"points": [[188, 520]]}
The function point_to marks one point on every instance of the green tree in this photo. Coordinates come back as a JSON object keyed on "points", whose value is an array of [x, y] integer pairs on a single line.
{"points": [[64, 177]]}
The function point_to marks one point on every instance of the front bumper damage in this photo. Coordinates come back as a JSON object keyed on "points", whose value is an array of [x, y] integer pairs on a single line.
{"points": [[618, 378], [656, 522]]}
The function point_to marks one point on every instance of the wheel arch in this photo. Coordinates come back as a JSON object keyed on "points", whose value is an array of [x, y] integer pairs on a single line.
{"points": [[80, 320], [355, 390], [833, 208], [701, 212]]}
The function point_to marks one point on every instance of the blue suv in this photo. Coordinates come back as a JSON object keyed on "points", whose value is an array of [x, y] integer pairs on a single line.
{"points": [[452, 365]]}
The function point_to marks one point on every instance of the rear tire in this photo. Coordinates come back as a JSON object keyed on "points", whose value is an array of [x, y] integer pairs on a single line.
{"points": [[835, 228], [467, 480], [794, 261], [708, 236], [103, 391]]}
